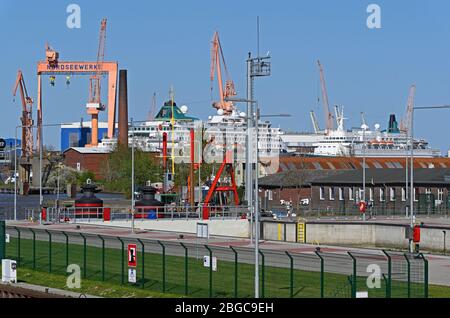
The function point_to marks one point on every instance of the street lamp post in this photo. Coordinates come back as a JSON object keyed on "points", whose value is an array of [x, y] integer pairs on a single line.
{"points": [[364, 128], [411, 193], [15, 176], [132, 177], [41, 198], [57, 187], [254, 206]]}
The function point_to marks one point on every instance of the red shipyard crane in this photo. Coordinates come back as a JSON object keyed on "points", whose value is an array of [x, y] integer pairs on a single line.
{"points": [[326, 106], [27, 131], [27, 118], [94, 105], [226, 108]]}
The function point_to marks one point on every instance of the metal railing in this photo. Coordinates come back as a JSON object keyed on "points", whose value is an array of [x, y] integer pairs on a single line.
{"points": [[167, 212], [352, 210]]}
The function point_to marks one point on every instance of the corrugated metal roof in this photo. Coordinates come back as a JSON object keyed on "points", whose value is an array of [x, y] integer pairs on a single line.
{"points": [[356, 163], [387, 176]]}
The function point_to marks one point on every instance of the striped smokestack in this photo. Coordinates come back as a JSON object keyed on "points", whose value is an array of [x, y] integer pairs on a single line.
{"points": [[123, 109]]}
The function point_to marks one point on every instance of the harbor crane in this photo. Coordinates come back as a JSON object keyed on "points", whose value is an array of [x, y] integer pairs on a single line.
{"points": [[152, 112], [222, 105], [363, 119], [27, 133], [52, 67], [326, 106], [27, 117], [94, 105], [314, 122], [405, 123]]}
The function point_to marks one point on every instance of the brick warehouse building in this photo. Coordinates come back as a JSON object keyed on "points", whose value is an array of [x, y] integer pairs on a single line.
{"points": [[296, 174], [385, 190], [86, 159]]}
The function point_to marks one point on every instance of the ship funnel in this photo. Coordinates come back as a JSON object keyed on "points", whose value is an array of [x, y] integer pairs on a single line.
{"points": [[393, 125]]}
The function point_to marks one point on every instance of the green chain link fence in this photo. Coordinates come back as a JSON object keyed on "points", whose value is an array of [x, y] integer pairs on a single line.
{"points": [[197, 270]]}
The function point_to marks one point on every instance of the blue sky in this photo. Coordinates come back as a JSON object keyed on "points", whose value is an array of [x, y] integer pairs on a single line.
{"points": [[168, 42]]}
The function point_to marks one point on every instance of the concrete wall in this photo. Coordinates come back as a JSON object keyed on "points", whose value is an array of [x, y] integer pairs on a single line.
{"points": [[234, 228], [372, 234]]}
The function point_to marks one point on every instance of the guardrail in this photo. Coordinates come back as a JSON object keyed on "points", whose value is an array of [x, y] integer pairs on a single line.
{"points": [[353, 210]]}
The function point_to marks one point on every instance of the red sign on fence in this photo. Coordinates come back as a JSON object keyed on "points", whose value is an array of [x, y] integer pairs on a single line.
{"points": [[132, 255]]}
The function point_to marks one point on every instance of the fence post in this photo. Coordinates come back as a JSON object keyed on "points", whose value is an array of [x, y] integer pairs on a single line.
{"points": [[210, 271], [321, 274], [185, 269], [388, 282], [163, 266], [103, 257], [354, 275], [2, 240], [18, 244], [425, 275], [123, 260], [143, 263], [409, 274], [67, 248], [34, 248], [263, 286], [49, 251], [235, 272], [291, 283], [84, 255]]}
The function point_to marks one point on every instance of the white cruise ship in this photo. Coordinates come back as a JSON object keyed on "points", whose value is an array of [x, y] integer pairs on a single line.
{"points": [[355, 142], [148, 135]]}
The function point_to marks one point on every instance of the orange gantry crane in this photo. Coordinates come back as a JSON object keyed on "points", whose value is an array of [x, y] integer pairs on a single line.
{"points": [[216, 55], [27, 117], [52, 66]]}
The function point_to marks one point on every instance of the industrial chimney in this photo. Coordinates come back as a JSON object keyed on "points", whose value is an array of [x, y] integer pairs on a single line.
{"points": [[123, 109]]}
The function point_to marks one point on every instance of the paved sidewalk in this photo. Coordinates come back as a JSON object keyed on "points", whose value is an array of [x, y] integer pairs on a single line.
{"points": [[50, 291]]}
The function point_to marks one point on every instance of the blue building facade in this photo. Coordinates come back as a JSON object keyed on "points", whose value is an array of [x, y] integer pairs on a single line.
{"points": [[76, 136]]}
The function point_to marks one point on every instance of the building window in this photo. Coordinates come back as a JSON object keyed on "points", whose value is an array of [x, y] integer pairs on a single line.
{"points": [[416, 194], [427, 191], [392, 194], [341, 194], [371, 194], [381, 194], [74, 140], [403, 194], [322, 193], [350, 194], [361, 194], [331, 191], [440, 194]]}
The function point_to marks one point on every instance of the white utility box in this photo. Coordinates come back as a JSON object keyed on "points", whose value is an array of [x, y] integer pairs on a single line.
{"points": [[9, 271]]}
